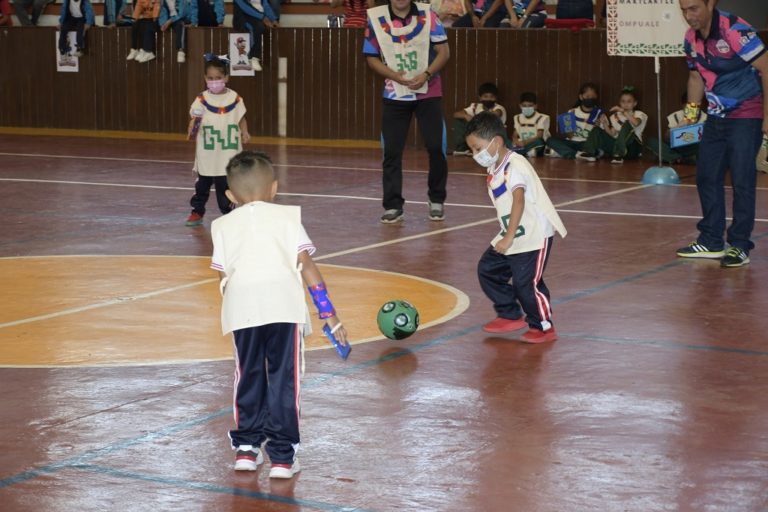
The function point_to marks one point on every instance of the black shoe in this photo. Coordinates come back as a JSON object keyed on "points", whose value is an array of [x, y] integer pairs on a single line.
{"points": [[696, 250], [392, 216], [734, 257]]}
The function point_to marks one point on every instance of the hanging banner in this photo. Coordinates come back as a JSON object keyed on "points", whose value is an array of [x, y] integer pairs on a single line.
{"points": [[645, 28], [67, 63]]}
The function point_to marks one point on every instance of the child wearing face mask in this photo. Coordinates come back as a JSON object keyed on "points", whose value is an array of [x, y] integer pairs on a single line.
{"points": [[511, 270], [531, 129], [219, 129], [620, 134], [587, 114], [487, 95]]}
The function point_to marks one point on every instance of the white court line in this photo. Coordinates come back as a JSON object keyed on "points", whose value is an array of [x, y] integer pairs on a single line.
{"points": [[653, 215], [304, 166]]}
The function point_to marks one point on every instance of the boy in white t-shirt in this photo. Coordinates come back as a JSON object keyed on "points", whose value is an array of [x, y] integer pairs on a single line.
{"points": [[521, 250], [487, 95], [262, 252], [531, 127]]}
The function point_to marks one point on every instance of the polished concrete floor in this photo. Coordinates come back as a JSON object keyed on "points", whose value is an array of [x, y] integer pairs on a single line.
{"points": [[116, 387]]}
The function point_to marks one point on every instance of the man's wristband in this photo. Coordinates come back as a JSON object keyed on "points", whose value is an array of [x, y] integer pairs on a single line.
{"points": [[319, 295]]}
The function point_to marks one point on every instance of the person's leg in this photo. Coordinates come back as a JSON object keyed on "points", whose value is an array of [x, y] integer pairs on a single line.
{"points": [[20, 6], [150, 29], [79, 28], [745, 137], [136, 35], [225, 205], [528, 281], [535, 20], [494, 273], [202, 191], [250, 388], [494, 20], [457, 129], [283, 350], [64, 48], [465, 21], [396, 119], [37, 9], [429, 116], [597, 140], [710, 182], [256, 28], [534, 148], [565, 148], [667, 153], [178, 34]]}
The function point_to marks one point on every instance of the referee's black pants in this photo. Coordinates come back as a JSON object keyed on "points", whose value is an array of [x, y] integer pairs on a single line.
{"points": [[396, 120]]}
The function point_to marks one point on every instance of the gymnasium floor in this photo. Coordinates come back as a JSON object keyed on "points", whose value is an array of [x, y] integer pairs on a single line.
{"points": [[116, 382]]}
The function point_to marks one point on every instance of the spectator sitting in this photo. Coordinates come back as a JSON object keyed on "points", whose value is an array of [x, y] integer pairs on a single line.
{"points": [[5, 14], [77, 16], [143, 32], [686, 154], [531, 129], [481, 13], [525, 14], [174, 14], [117, 13], [20, 6], [355, 12], [487, 95], [207, 13]]}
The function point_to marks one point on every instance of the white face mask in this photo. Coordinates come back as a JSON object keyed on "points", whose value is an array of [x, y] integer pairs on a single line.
{"points": [[484, 158], [528, 111]]}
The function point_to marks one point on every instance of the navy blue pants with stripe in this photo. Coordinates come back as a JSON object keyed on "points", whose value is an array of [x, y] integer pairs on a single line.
{"points": [[526, 294], [267, 389]]}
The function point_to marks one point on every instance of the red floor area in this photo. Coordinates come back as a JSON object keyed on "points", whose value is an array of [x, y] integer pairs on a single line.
{"points": [[654, 398]]}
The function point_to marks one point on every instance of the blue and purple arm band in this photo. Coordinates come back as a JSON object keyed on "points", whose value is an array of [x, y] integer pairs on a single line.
{"points": [[323, 304]]}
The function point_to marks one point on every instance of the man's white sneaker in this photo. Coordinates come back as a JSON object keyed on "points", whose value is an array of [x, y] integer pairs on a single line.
{"points": [[148, 56], [255, 64], [181, 57], [133, 54]]}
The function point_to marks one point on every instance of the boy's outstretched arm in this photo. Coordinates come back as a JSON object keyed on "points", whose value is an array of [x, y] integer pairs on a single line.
{"points": [[314, 280]]}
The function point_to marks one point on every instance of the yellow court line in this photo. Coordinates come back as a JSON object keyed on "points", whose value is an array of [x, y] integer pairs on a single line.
{"points": [[117, 134]]}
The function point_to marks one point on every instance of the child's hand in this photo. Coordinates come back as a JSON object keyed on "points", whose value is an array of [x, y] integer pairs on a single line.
{"points": [[246, 137], [341, 332], [503, 245], [417, 82]]}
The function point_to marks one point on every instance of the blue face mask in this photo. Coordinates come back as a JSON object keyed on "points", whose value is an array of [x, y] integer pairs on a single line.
{"points": [[528, 111]]}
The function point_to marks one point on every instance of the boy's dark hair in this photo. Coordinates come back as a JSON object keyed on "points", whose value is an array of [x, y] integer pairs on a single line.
{"points": [[212, 61], [245, 161], [528, 96], [630, 90], [488, 88], [485, 125]]}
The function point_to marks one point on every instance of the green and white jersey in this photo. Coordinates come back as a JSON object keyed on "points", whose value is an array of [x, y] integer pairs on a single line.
{"points": [[218, 138]]}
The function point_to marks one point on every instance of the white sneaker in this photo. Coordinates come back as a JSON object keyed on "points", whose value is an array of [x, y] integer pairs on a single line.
{"points": [[133, 54], [181, 57], [284, 470], [248, 458], [552, 153], [148, 56], [78, 53], [256, 66]]}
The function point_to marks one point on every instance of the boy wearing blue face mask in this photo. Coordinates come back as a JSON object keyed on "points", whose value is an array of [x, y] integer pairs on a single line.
{"points": [[531, 129], [219, 129], [519, 253]]}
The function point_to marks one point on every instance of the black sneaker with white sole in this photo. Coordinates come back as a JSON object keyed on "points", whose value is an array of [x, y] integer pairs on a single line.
{"points": [[392, 216], [696, 250], [734, 257]]}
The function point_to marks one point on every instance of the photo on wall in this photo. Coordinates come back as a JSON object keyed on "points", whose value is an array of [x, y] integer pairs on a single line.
{"points": [[239, 46], [66, 63]]}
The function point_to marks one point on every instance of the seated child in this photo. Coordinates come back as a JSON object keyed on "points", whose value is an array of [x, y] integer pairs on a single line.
{"points": [[531, 129], [684, 154], [620, 134], [487, 95], [587, 112], [511, 270], [77, 16], [525, 14]]}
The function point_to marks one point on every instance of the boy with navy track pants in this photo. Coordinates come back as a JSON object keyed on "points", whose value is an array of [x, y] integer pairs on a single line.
{"points": [[262, 253], [75, 15]]}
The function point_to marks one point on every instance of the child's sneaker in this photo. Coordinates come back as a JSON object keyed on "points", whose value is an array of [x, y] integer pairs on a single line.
{"points": [[696, 250], [538, 336], [552, 153], [617, 160], [284, 470], [194, 219], [734, 257], [580, 155], [181, 57], [148, 56], [436, 211], [392, 216], [501, 325], [255, 64], [133, 54], [247, 458]]}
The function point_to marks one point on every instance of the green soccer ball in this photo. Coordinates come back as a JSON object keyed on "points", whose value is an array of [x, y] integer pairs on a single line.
{"points": [[397, 319]]}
